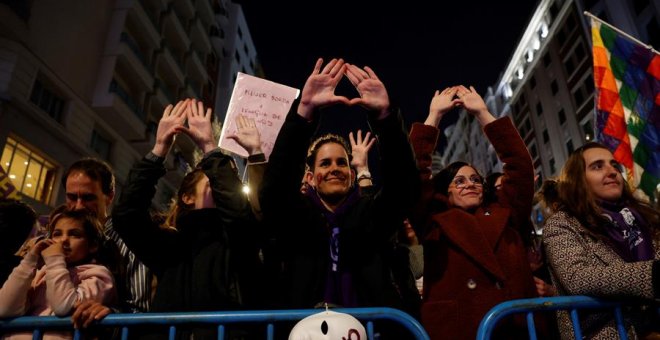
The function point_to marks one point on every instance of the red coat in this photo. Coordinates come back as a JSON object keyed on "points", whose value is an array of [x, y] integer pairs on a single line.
{"points": [[475, 260]]}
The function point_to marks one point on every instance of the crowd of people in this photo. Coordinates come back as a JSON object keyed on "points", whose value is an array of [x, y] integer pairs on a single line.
{"points": [[318, 229]]}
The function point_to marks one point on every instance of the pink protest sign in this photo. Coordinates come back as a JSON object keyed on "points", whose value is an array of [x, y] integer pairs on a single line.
{"points": [[264, 101]]}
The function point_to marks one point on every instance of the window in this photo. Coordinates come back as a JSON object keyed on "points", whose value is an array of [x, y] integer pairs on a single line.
{"points": [[640, 5], [31, 173], [533, 151], [539, 109], [578, 96], [101, 145], [562, 116], [588, 131], [553, 168], [46, 99], [245, 48], [546, 137], [547, 60], [569, 146], [238, 56], [554, 87], [240, 33], [532, 82]]}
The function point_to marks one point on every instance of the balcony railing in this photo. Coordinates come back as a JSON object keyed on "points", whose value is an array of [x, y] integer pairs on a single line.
{"points": [[121, 93]]}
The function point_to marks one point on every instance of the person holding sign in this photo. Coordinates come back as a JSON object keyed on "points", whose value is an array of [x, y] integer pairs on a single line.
{"points": [[206, 243], [332, 236]]}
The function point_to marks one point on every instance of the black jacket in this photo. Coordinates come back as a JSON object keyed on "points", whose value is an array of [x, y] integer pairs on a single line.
{"points": [[366, 228], [199, 265]]}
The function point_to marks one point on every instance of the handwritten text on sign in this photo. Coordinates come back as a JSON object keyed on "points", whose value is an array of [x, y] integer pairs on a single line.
{"points": [[264, 101]]}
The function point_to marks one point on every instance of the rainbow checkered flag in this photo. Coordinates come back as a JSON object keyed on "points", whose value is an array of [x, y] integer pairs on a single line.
{"points": [[627, 79]]}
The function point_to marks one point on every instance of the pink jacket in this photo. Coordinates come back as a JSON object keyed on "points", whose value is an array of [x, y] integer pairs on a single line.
{"points": [[53, 290]]}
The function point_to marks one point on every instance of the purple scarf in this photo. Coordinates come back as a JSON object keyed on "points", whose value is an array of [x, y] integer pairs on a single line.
{"points": [[339, 287], [628, 232]]}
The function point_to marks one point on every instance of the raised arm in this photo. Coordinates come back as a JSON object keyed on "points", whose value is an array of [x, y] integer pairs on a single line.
{"points": [[130, 215], [373, 95], [14, 291], [360, 150], [319, 89], [248, 137], [96, 283], [518, 180]]}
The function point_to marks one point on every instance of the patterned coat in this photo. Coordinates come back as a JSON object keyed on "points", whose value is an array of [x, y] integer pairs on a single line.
{"points": [[474, 260], [583, 265]]}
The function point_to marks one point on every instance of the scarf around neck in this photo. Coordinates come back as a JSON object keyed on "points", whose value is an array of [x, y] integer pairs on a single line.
{"points": [[628, 231]]}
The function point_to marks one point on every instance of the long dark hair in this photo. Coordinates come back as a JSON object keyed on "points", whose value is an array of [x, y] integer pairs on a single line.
{"points": [[178, 206], [574, 196]]}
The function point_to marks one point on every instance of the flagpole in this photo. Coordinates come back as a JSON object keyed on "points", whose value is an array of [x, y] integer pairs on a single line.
{"points": [[587, 13]]}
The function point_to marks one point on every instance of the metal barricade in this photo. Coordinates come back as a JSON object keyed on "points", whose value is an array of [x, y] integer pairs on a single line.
{"points": [[39, 324], [568, 303]]}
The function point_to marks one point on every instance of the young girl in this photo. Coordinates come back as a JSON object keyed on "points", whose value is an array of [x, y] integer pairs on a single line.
{"points": [[68, 276]]}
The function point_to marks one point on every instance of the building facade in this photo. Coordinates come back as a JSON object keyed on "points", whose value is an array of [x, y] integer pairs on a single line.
{"points": [[91, 78], [548, 88]]}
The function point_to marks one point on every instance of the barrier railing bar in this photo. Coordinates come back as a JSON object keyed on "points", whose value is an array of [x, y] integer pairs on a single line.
{"points": [[172, 333], [221, 332], [618, 316], [531, 328], [270, 331], [570, 303], [36, 335], [575, 320], [224, 317], [124, 333]]}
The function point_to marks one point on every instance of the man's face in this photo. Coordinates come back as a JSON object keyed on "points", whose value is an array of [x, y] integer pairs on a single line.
{"points": [[332, 175], [83, 193]]}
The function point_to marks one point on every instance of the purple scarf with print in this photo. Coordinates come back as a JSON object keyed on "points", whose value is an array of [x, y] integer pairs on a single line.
{"points": [[339, 287], [628, 232]]}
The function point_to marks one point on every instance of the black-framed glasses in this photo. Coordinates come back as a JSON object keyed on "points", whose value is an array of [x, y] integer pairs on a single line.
{"points": [[461, 182]]}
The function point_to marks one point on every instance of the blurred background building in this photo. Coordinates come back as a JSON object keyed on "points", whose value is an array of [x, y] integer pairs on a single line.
{"points": [[91, 78]]}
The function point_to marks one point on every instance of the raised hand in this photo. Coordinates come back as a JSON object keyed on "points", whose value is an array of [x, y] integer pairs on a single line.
{"points": [[54, 248], [440, 104], [168, 126], [474, 104], [319, 89], [39, 246], [360, 149], [247, 135], [199, 129], [373, 94]]}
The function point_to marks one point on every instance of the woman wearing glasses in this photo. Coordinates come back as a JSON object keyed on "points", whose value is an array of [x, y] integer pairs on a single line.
{"points": [[474, 255]]}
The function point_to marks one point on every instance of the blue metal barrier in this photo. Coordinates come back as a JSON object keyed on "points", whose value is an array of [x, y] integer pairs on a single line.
{"points": [[529, 306], [39, 324]]}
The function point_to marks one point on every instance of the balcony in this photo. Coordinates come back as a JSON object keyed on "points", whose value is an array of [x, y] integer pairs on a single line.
{"points": [[174, 30], [199, 36], [121, 112], [168, 66], [195, 67], [185, 8], [145, 25], [132, 57], [205, 11]]}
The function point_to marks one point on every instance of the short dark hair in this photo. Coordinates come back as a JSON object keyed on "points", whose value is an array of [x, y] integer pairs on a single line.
{"points": [[16, 222], [319, 142], [443, 179], [95, 169]]}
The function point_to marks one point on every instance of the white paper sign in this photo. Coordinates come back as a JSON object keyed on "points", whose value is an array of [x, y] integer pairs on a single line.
{"points": [[264, 101]]}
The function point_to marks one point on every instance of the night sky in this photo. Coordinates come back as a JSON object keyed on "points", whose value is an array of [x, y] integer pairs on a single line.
{"points": [[415, 47]]}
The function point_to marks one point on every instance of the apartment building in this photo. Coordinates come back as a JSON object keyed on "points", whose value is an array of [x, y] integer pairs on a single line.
{"points": [[91, 78], [548, 88]]}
